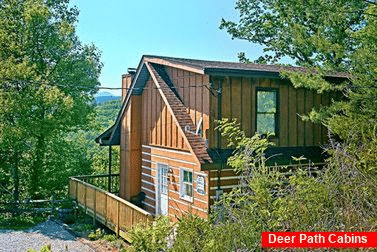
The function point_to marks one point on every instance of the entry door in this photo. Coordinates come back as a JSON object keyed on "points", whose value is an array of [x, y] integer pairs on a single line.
{"points": [[162, 189]]}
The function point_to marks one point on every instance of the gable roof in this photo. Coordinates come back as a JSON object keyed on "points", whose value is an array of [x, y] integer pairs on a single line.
{"points": [[226, 68]]}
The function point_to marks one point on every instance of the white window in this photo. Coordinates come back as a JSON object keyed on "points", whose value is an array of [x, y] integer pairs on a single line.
{"points": [[186, 184]]}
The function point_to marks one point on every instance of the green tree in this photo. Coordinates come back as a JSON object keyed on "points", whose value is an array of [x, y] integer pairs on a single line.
{"points": [[47, 82], [327, 37]]}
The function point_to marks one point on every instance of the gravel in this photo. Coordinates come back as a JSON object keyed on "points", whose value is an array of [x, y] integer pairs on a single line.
{"points": [[47, 232]]}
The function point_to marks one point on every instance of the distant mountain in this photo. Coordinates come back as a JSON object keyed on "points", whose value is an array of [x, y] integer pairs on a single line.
{"points": [[105, 96]]}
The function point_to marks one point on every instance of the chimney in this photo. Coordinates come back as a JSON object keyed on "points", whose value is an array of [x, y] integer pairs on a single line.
{"points": [[127, 80]]}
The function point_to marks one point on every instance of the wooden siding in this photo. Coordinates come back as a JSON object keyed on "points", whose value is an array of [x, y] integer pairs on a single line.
{"points": [[239, 101], [193, 90], [130, 149], [175, 160], [126, 83], [158, 126]]}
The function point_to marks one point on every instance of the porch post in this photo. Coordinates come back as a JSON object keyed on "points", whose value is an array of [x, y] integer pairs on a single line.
{"points": [[109, 177]]}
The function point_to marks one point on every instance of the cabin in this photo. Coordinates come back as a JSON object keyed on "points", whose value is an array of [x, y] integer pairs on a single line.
{"points": [[173, 161]]}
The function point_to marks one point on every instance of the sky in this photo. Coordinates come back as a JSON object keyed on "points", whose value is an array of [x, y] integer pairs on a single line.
{"points": [[126, 30]]}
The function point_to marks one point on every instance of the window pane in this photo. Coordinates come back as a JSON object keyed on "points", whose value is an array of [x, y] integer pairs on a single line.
{"points": [[190, 177], [188, 190], [266, 101], [266, 123], [187, 176]]}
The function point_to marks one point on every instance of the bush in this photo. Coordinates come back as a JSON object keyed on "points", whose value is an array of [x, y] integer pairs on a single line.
{"points": [[192, 234], [151, 237], [340, 197], [96, 235]]}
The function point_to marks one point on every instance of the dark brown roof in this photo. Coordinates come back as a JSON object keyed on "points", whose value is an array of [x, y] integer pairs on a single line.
{"points": [[211, 67]]}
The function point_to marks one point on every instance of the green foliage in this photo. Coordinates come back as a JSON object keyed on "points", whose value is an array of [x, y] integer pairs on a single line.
{"points": [[327, 37], [96, 235], [191, 234], [338, 198], [313, 32], [109, 238], [47, 82], [21, 221], [151, 236], [45, 248]]}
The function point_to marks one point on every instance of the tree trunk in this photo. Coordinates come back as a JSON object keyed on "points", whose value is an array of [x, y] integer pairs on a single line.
{"points": [[37, 168], [16, 178]]}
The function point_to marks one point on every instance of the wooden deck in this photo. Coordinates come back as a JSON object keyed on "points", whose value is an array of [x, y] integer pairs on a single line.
{"points": [[114, 212]]}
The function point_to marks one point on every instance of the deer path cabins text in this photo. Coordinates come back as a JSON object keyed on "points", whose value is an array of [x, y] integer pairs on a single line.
{"points": [[170, 150]]}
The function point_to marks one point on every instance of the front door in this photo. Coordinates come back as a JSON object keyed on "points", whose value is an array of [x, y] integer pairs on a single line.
{"points": [[162, 189]]}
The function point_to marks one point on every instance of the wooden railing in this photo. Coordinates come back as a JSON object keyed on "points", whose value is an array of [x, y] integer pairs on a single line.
{"points": [[106, 182], [114, 212]]}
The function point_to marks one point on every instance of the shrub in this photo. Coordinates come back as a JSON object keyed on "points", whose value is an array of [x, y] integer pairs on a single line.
{"points": [[98, 234], [151, 236], [192, 234]]}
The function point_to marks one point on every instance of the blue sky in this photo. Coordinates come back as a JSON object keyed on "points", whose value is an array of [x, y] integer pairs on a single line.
{"points": [[126, 30]]}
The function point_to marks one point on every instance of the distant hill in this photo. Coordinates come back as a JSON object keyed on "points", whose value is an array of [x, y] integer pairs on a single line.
{"points": [[107, 112], [105, 96]]}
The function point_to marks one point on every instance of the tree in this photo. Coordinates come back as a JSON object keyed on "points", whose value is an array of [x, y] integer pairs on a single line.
{"points": [[327, 37], [47, 82]]}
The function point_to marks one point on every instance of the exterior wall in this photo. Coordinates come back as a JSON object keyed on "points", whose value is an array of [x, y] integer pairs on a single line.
{"points": [[130, 150], [239, 101], [126, 83], [158, 126], [151, 156], [228, 179], [193, 89]]}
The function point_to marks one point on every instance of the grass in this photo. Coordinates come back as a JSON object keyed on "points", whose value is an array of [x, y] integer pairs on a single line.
{"points": [[20, 221]]}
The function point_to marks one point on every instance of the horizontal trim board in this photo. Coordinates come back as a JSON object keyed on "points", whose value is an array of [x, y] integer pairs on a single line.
{"points": [[148, 190], [188, 205], [150, 198], [223, 187], [168, 158], [241, 73], [167, 150], [225, 178], [145, 203], [147, 182]]}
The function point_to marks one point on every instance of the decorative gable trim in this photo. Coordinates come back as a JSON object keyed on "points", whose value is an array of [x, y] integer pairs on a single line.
{"points": [[179, 112]]}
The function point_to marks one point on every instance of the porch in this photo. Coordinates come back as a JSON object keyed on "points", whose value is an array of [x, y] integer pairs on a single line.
{"points": [[105, 206]]}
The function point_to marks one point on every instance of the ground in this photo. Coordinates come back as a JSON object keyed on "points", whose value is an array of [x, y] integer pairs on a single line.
{"points": [[50, 231]]}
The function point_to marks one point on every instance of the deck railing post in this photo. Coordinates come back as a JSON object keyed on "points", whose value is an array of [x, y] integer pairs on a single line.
{"points": [[76, 182], [106, 209], [117, 227], [132, 217], [85, 199], [94, 207]]}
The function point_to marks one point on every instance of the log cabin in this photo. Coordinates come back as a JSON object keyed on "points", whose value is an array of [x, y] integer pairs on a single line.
{"points": [[169, 148]]}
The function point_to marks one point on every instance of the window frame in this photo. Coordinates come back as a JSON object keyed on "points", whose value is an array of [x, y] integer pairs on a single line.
{"points": [[277, 112], [182, 183]]}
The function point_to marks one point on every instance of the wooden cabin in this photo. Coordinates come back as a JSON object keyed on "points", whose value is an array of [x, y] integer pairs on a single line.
{"points": [[170, 149]]}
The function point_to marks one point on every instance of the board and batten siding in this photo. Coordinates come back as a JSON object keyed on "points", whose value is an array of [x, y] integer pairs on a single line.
{"points": [[239, 101], [158, 125], [176, 160], [193, 89], [126, 83]]}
